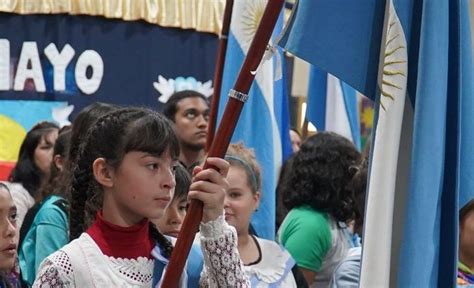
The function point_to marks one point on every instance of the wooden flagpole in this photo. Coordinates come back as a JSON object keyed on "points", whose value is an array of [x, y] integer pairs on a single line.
{"points": [[219, 72], [237, 97]]}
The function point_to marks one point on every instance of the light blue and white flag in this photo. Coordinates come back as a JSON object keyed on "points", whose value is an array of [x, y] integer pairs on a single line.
{"points": [[263, 124], [332, 105], [421, 162], [441, 178], [314, 34]]}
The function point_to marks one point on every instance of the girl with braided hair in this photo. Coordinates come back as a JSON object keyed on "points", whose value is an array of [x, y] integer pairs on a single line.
{"points": [[127, 160]]}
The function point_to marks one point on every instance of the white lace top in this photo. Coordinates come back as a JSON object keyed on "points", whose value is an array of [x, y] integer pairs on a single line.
{"points": [[273, 268], [82, 264]]}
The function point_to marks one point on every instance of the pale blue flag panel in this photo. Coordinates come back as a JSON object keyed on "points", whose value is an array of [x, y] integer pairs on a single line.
{"points": [[344, 39], [263, 124]]}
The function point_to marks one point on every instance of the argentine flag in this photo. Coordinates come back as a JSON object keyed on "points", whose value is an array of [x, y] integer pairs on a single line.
{"points": [[332, 105], [422, 156], [259, 127]]}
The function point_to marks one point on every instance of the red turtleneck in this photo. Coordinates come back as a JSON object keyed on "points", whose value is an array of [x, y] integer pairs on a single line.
{"points": [[121, 242]]}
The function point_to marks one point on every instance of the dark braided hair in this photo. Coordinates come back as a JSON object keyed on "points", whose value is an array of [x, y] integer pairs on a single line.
{"points": [[111, 137], [165, 244], [83, 121], [319, 174]]}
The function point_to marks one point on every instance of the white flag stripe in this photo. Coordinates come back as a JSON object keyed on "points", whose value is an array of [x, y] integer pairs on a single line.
{"points": [[377, 238], [264, 77], [337, 119]]}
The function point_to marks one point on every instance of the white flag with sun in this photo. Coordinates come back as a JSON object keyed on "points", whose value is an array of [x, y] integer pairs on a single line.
{"points": [[259, 113]]}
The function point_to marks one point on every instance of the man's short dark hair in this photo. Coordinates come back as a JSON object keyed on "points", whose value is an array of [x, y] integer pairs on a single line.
{"points": [[171, 107]]}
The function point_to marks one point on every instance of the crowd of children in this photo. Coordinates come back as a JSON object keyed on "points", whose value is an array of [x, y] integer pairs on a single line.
{"points": [[101, 203]]}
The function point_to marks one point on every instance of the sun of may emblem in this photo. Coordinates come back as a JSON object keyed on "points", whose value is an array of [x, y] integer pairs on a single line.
{"points": [[253, 12], [394, 76]]}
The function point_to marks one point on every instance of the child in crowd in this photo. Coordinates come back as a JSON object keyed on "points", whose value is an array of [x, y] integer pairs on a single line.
{"points": [[32, 168], [170, 223], [46, 225], [315, 231], [466, 245], [8, 238], [127, 160], [265, 262]]}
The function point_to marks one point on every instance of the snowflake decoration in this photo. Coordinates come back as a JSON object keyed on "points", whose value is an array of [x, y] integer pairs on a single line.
{"points": [[61, 114], [167, 87]]}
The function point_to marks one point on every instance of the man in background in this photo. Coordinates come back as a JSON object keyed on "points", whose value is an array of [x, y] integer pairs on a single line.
{"points": [[189, 110]]}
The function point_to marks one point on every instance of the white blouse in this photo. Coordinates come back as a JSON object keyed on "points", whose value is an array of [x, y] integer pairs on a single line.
{"points": [[82, 264], [273, 268]]}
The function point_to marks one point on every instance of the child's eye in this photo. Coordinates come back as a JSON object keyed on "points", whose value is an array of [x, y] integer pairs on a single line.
{"points": [[234, 195], [183, 208], [46, 147], [13, 217]]}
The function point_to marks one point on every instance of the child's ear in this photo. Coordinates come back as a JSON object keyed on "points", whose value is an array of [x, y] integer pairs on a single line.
{"points": [[256, 197], [103, 173], [58, 161]]}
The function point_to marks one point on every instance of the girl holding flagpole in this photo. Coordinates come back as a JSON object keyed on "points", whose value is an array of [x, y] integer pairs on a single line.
{"points": [[127, 162]]}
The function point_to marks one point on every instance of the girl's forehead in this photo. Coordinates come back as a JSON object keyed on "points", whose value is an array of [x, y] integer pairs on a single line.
{"points": [[236, 166], [6, 201], [165, 156], [49, 136]]}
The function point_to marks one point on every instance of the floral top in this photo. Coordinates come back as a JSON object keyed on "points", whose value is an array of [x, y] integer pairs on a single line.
{"points": [[82, 264], [9, 280], [465, 275]]}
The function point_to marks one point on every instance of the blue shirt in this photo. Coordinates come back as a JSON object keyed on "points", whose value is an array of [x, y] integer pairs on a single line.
{"points": [[47, 234]]}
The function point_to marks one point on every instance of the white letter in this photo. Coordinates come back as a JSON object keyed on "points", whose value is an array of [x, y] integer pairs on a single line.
{"points": [[29, 52], [59, 62], [93, 59], [4, 64]]}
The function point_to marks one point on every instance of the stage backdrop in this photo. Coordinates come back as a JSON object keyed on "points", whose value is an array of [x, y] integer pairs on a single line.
{"points": [[50, 62]]}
